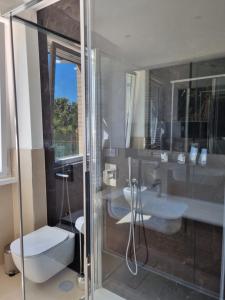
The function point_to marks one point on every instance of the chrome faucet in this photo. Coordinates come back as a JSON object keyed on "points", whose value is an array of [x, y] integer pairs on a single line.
{"points": [[134, 182]]}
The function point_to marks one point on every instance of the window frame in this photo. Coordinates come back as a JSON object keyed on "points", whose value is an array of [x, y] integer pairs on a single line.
{"points": [[56, 49], [3, 106]]}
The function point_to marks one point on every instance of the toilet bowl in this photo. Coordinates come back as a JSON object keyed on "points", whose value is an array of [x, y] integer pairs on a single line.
{"points": [[47, 251]]}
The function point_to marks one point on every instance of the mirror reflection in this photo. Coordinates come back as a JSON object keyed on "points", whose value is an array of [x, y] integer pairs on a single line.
{"points": [[173, 107]]}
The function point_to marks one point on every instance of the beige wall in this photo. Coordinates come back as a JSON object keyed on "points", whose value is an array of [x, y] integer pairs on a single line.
{"points": [[32, 152], [6, 218], [32, 160], [33, 189], [34, 204], [33, 198]]}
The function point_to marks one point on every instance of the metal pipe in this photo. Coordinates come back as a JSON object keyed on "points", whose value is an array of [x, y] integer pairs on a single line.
{"points": [[197, 78], [187, 119], [18, 162], [171, 121], [41, 28], [85, 29]]}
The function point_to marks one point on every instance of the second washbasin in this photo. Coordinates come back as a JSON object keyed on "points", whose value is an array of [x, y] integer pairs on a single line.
{"points": [[161, 207]]}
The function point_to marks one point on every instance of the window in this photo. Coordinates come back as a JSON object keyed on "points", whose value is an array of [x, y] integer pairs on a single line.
{"points": [[65, 90], [3, 144]]}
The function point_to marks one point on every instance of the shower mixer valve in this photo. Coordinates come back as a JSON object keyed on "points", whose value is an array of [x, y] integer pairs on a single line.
{"points": [[110, 174], [157, 184]]}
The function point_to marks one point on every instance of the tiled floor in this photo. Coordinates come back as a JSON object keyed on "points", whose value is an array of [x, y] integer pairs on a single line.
{"points": [[103, 294], [10, 288], [145, 286]]}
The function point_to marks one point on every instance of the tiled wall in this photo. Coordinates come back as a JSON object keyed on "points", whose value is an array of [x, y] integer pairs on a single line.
{"points": [[62, 17], [192, 254]]}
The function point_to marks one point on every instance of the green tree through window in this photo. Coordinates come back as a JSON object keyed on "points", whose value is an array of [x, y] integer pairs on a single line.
{"points": [[65, 127]]}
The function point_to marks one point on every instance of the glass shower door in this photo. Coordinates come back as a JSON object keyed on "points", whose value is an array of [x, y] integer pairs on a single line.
{"points": [[50, 126], [157, 159]]}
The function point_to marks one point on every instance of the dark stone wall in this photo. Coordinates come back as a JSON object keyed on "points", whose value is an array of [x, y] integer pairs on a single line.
{"points": [[62, 17], [193, 254]]}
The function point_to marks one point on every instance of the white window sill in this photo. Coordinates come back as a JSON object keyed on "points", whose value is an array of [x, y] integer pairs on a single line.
{"points": [[7, 180]]}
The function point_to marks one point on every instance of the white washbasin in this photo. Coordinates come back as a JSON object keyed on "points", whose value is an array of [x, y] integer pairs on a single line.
{"points": [[161, 207], [127, 192]]}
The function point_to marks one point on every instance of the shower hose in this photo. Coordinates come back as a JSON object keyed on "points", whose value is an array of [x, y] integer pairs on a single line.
{"points": [[136, 210], [136, 213], [131, 238]]}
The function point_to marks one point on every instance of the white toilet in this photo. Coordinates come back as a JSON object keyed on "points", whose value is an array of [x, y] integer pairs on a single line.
{"points": [[47, 251]]}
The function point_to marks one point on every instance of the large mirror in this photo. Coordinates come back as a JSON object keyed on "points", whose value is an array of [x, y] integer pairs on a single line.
{"points": [[173, 107]]}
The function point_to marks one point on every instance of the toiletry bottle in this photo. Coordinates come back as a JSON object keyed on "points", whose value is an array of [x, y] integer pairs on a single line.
{"points": [[203, 157], [164, 157], [193, 154], [181, 158]]}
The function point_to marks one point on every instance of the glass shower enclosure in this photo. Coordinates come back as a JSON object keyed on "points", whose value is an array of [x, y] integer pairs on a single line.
{"points": [[48, 250], [156, 87], [153, 146]]}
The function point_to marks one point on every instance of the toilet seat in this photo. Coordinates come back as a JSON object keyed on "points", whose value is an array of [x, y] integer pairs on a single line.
{"points": [[80, 224], [40, 241]]}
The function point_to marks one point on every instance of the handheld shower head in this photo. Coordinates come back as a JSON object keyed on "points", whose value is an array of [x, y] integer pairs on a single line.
{"points": [[61, 175]]}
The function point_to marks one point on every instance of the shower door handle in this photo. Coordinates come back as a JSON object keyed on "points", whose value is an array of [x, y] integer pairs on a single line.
{"points": [[88, 214]]}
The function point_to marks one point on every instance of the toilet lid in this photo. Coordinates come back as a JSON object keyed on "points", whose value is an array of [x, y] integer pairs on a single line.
{"points": [[40, 241]]}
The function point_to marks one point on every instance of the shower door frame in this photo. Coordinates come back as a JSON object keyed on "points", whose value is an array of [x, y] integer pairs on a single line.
{"points": [[86, 132]]}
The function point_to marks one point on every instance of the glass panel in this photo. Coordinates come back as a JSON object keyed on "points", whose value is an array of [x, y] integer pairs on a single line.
{"points": [[47, 71], [65, 92], [158, 207]]}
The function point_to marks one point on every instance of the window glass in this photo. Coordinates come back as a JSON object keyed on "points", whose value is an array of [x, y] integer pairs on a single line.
{"points": [[65, 118]]}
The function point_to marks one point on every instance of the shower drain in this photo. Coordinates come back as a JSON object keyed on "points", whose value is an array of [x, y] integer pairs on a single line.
{"points": [[66, 286]]}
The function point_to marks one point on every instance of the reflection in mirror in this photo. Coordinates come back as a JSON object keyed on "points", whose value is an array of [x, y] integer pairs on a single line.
{"points": [[199, 103], [155, 130], [130, 94], [173, 107], [136, 93]]}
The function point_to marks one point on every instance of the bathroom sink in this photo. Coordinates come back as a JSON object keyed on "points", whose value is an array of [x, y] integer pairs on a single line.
{"points": [[127, 193], [162, 207], [158, 206]]}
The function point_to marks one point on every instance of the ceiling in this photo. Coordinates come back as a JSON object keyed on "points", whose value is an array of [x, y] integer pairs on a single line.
{"points": [[155, 32], [8, 5]]}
